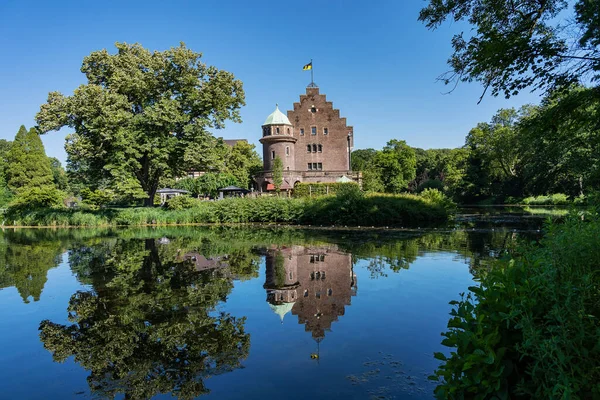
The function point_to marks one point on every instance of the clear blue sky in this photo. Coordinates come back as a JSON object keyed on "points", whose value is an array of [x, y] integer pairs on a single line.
{"points": [[373, 59]]}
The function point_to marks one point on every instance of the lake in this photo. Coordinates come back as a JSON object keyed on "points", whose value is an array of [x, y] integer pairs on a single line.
{"points": [[232, 312]]}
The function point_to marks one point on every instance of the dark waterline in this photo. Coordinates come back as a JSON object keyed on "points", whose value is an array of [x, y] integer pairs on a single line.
{"points": [[227, 313]]}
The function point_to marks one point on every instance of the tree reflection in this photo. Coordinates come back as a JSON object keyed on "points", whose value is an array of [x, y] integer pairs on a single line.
{"points": [[149, 324], [25, 261]]}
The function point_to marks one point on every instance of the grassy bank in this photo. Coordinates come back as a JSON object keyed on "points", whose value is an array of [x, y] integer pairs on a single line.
{"points": [[532, 327], [351, 209]]}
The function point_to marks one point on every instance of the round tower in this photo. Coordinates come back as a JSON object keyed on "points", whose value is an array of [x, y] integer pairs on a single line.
{"points": [[278, 141]]}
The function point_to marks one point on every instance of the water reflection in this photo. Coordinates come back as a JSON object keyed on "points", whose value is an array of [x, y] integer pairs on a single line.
{"points": [[154, 310], [314, 283], [148, 325]]}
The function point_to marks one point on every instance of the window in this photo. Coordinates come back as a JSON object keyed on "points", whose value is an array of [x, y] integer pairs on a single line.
{"points": [[288, 130], [272, 155], [319, 166], [313, 130], [306, 293], [277, 131], [320, 148], [288, 168], [308, 148], [325, 131], [315, 165], [314, 146], [329, 292], [301, 131], [310, 166], [287, 150]]}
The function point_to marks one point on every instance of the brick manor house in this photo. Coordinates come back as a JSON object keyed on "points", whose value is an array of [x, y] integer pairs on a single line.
{"points": [[313, 142]]}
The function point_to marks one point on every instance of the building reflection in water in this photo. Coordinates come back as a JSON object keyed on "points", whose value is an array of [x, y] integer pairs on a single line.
{"points": [[313, 283]]}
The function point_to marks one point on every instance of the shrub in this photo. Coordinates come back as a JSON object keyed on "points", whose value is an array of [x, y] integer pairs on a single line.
{"points": [[531, 328], [431, 184], [98, 197], [181, 203], [321, 189], [554, 199], [36, 198]]}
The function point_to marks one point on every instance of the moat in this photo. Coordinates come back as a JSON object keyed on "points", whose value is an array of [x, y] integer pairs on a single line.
{"points": [[228, 312]]}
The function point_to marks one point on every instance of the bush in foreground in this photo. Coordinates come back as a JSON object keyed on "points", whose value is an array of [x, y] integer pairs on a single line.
{"points": [[532, 327]]}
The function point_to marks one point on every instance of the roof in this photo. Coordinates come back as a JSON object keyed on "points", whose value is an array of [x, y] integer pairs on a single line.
{"points": [[277, 118], [281, 309], [344, 179], [232, 189], [171, 191]]}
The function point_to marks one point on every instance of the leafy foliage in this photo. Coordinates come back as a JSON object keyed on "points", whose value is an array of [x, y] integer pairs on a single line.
{"points": [[27, 164], [144, 115], [320, 189], [522, 44], [207, 184], [277, 173], [531, 328]]}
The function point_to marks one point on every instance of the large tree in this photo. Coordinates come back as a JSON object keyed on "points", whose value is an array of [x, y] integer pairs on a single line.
{"points": [[242, 162], [143, 115], [27, 163], [519, 44], [397, 164]]}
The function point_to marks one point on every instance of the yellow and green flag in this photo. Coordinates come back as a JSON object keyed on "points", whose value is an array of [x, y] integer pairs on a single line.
{"points": [[307, 66]]}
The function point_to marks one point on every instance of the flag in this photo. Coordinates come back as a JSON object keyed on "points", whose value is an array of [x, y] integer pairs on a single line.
{"points": [[307, 66]]}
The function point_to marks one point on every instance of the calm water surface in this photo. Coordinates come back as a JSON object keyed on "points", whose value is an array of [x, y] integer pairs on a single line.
{"points": [[227, 313]]}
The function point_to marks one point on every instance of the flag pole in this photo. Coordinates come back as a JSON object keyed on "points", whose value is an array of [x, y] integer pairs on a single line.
{"points": [[312, 67]]}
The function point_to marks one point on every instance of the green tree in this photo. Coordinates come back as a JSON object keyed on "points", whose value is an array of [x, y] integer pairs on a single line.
{"points": [[397, 165], [28, 165], [5, 193], [277, 173], [363, 159], [564, 134], [242, 162], [519, 44], [59, 175], [144, 115]]}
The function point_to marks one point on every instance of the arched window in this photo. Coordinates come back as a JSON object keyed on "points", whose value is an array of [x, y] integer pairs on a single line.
{"points": [[308, 148], [320, 148], [314, 148], [288, 130], [277, 131], [287, 150]]}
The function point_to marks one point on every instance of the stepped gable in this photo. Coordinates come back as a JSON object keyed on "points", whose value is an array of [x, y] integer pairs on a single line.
{"points": [[315, 121]]}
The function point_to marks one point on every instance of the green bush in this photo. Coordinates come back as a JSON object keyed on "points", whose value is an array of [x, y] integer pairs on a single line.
{"points": [[36, 198], [554, 199], [181, 202], [531, 329], [349, 207], [321, 189], [431, 184]]}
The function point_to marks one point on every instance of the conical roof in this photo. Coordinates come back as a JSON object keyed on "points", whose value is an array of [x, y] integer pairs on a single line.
{"points": [[277, 118], [282, 309]]}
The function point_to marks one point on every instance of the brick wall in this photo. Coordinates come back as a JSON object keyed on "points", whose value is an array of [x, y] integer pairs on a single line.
{"points": [[314, 110]]}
